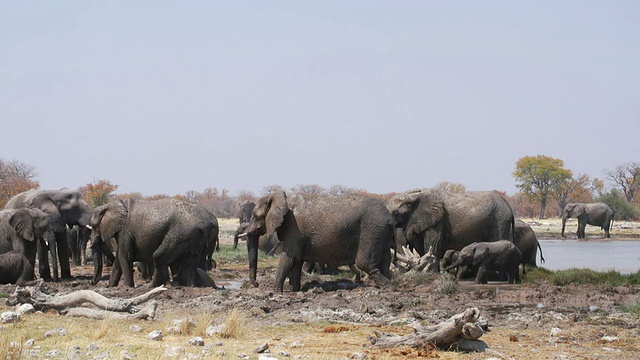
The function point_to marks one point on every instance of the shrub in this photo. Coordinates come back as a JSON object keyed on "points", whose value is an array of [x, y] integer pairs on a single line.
{"points": [[623, 209]]}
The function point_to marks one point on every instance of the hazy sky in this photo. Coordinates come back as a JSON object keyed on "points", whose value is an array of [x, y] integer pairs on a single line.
{"points": [[167, 97]]}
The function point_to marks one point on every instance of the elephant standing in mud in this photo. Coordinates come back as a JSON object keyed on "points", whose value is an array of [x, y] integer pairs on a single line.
{"points": [[334, 230], [443, 220], [501, 256], [66, 208], [528, 244], [597, 214], [164, 233]]}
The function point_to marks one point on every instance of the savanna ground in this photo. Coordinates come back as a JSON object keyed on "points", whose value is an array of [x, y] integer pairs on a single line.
{"points": [[552, 315]]}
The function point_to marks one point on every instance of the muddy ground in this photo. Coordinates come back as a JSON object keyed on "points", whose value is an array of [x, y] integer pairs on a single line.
{"points": [[526, 321]]}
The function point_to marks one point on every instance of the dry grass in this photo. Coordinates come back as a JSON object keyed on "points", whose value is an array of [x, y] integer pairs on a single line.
{"points": [[234, 326]]}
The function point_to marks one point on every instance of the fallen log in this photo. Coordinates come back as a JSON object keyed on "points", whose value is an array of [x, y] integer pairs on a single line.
{"points": [[460, 331], [77, 302], [410, 260]]}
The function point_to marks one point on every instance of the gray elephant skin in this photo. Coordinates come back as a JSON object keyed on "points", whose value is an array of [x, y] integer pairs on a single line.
{"points": [[164, 233], [443, 220], [66, 208], [501, 256], [268, 245], [15, 268], [596, 214], [528, 244], [246, 211], [334, 230], [22, 229], [78, 238]]}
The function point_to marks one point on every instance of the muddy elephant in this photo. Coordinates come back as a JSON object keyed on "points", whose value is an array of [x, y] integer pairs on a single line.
{"points": [[597, 214], [15, 268], [78, 238], [22, 229], [528, 244], [164, 233], [334, 230], [501, 256], [66, 208], [443, 220], [268, 245]]}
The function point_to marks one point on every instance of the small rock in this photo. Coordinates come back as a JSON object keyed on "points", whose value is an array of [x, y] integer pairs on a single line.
{"points": [[50, 333], [540, 305], [218, 343], [62, 332], [243, 356], [555, 331], [513, 338], [9, 317], [25, 309], [213, 329], [30, 342], [359, 356], [594, 308], [175, 351], [92, 347], [53, 353], [196, 341], [135, 328], [296, 344], [221, 353], [262, 348], [155, 335], [284, 353], [125, 355], [266, 357], [610, 338]]}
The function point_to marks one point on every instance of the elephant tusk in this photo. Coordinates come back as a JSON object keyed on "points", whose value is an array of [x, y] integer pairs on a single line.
{"points": [[88, 227], [243, 235]]}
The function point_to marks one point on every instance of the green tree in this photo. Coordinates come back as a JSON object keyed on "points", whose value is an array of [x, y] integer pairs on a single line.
{"points": [[627, 177], [537, 175], [622, 208]]}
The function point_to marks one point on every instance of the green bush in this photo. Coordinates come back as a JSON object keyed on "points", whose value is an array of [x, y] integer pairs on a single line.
{"points": [[623, 209], [582, 276]]}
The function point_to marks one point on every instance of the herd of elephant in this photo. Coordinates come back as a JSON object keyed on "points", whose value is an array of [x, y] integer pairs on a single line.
{"points": [[474, 234]]}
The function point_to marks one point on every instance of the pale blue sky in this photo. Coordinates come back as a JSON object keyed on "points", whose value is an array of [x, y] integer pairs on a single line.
{"points": [[166, 97]]}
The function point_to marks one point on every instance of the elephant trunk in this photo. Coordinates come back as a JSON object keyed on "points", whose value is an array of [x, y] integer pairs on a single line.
{"points": [[97, 265], [564, 222], [453, 265], [252, 249]]}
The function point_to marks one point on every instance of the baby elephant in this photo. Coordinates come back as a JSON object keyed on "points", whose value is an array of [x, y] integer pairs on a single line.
{"points": [[501, 256], [15, 268]]}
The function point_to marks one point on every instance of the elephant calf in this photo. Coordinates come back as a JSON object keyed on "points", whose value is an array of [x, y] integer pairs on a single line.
{"points": [[501, 256], [15, 268]]}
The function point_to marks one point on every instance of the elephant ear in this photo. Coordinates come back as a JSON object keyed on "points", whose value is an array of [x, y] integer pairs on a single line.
{"points": [[578, 210], [277, 210], [428, 211], [480, 255], [22, 222], [110, 218]]}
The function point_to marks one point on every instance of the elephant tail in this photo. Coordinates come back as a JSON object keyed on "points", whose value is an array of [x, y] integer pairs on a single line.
{"points": [[541, 257], [512, 233], [394, 237]]}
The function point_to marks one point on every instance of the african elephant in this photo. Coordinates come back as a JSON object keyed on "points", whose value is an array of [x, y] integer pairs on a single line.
{"points": [[22, 229], [501, 256], [15, 268], [78, 237], [66, 207], [268, 245], [597, 214], [164, 233], [334, 230], [443, 220], [246, 211], [527, 242]]}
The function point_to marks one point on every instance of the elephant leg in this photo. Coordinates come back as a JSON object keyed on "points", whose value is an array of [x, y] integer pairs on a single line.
{"points": [[295, 275], [53, 252], [607, 227], [162, 257], [116, 273], [63, 255], [481, 277], [43, 261], [356, 272], [581, 230], [285, 266]]}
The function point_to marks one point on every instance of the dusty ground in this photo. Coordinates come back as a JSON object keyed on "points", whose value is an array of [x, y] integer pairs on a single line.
{"points": [[333, 318]]}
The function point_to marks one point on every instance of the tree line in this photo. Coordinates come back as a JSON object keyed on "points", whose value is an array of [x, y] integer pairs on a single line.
{"points": [[545, 187]]}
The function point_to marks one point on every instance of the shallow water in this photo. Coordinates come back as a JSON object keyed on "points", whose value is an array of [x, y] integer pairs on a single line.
{"points": [[599, 255]]}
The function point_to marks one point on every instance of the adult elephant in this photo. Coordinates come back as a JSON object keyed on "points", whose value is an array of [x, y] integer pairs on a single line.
{"points": [[443, 220], [246, 211], [66, 208], [334, 230], [165, 232], [78, 238], [22, 229], [597, 214], [501, 256], [268, 245], [528, 244], [15, 268]]}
